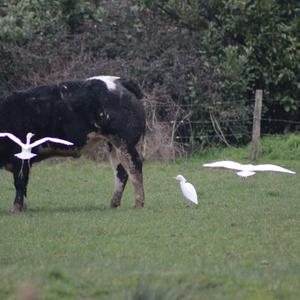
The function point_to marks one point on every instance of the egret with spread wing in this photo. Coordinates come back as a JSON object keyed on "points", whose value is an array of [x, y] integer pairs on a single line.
{"points": [[248, 169], [187, 190], [27, 147]]}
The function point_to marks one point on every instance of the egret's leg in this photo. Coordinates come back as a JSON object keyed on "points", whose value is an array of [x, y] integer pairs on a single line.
{"points": [[21, 169], [20, 183], [188, 204]]}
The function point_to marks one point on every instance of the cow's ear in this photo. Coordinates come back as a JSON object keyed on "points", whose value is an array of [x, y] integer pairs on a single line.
{"points": [[63, 89]]}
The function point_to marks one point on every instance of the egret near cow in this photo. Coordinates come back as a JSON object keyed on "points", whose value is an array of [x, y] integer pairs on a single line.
{"points": [[27, 147], [247, 169], [80, 111], [187, 190]]}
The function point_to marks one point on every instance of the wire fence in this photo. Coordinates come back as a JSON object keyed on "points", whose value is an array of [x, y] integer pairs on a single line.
{"points": [[246, 122], [192, 105], [271, 120]]}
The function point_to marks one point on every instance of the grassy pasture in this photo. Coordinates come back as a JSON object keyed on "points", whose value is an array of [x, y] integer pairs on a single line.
{"points": [[241, 242]]}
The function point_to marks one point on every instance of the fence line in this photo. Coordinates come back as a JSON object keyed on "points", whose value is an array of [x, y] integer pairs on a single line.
{"points": [[199, 122], [238, 135], [201, 136], [280, 120], [232, 121], [222, 122], [185, 105]]}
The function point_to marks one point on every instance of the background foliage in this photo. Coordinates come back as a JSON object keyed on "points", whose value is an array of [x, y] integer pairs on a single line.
{"points": [[199, 62]]}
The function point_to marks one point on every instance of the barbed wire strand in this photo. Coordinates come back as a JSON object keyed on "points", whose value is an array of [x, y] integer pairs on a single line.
{"points": [[160, 104], [215, 135], [246, 121]]}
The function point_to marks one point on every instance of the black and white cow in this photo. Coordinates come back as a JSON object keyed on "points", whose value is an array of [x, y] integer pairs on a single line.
{"points": [[82, 112]]}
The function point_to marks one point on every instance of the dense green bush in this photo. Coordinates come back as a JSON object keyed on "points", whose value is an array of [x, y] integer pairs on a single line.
{"points": [[254, 44], [24, 20], [197, 62]]}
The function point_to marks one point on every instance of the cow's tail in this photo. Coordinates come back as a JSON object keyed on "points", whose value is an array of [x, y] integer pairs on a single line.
{"points": [[132, 87]]}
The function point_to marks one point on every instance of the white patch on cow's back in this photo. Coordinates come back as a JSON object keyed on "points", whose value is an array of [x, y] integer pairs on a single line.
{"points": [[109, 81]]}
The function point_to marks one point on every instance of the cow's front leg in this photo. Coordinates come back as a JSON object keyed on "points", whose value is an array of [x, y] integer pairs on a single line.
{"points": [[21, 177], [121, 177]]}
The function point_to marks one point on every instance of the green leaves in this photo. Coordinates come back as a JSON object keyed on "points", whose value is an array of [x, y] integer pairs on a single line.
{"points": [[264, 34], [27, 18]]}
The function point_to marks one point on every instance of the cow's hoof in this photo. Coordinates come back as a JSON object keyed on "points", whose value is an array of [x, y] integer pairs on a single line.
{"points": [[115, 202], [139, 205], [114, 205], [18, 208]]}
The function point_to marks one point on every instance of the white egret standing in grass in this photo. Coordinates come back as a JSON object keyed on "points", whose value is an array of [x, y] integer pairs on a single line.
{"points": [[187, 190], [248, 169]]}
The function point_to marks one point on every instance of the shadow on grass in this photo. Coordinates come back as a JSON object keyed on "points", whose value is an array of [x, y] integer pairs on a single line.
{"points": [[58, 209], [145, 290]]}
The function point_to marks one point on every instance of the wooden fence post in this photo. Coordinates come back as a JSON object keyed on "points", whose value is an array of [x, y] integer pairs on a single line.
{"points": [[256, 124]]}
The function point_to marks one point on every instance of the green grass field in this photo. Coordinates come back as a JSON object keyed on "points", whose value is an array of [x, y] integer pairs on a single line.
{"points": [[241, 242]]}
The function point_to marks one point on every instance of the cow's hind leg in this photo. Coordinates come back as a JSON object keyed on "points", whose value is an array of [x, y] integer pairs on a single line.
{"points": [[21, 177], [131, 161], [121, 177]]}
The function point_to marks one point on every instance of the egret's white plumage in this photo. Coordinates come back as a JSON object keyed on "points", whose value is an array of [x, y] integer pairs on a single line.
{"points": [[187, 190], [244, 174], [27, 147], [248, 169]]}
